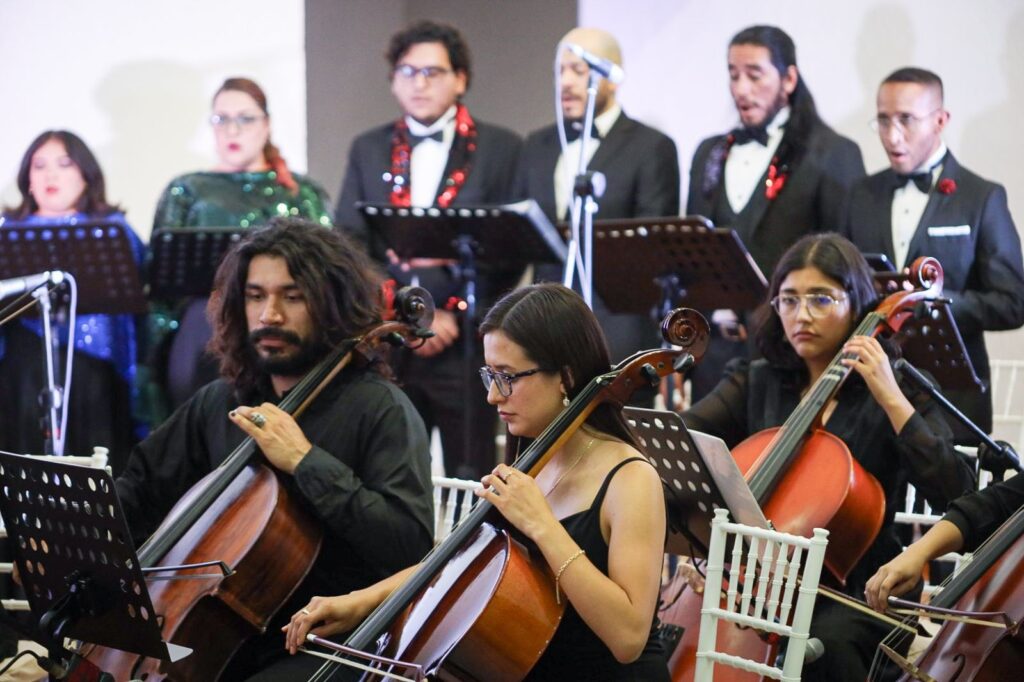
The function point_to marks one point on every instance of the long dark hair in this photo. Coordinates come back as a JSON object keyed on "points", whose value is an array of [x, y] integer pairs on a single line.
{"points": [[339, 283], [270, 150], [93, 201], [556, 329], [837, 258], [782, 52]]}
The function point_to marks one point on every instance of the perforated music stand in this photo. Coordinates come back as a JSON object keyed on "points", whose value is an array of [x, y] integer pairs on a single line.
{"points": [[98, 253], [75, 557], [508, 234], [699, 476], [932, 341], [184, 260], [643, 262]]}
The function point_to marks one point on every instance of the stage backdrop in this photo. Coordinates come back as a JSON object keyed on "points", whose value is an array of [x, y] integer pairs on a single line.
{"points": [[675, 59], [135, 81]]}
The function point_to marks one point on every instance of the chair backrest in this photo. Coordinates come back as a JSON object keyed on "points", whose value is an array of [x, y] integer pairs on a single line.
{"points": [[98, 460], [453, 500], [1007, 387], [767, 568]]}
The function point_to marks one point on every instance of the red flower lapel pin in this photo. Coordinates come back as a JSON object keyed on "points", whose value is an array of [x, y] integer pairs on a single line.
{"points": [[946, 186]]}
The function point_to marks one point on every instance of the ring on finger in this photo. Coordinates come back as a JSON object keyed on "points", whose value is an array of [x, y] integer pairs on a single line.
{"points": [[258, 420]]}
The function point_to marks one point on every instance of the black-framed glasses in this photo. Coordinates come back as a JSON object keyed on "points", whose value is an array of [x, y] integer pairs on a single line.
{"points": [[242, 120], [901, 122], [409, 72], [504, 380], [818, 304]]}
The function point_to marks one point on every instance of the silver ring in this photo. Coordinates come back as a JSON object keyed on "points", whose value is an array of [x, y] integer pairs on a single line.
{"points": [[258, 419], [305, 612]]}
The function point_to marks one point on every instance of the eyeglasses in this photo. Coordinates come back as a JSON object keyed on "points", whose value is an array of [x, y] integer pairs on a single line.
{"points": [[901, 122], [242, 121], [818, 305], [504, 380], [409, 72]]}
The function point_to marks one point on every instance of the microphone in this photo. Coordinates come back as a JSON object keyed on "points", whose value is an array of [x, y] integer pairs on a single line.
{"points": [[607, 68], [815, 650], [19, 285]]}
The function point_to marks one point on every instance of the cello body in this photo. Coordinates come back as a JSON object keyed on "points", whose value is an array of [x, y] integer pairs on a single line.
{"points": [[963, 652], [260, 530], [847, 500], [488, 615]]}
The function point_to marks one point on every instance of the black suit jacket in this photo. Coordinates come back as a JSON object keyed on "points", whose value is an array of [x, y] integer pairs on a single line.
{"points": [[490, 182], [641, 167], [640, 164], [810, 201], [983, 270]]}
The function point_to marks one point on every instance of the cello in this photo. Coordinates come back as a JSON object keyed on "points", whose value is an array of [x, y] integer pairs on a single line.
{"points": [[781, 464], [242, 515], [479, 606], [990, 584]]}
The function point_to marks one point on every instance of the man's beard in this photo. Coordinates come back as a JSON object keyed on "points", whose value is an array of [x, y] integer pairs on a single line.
{"points": [[290, 364], [781, 102]]}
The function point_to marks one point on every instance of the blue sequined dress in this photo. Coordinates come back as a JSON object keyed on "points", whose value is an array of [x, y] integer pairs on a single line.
{"points": [[104, 368]]}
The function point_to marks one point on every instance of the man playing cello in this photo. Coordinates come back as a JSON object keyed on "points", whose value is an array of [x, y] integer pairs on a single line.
{"points": [[357, 459]]}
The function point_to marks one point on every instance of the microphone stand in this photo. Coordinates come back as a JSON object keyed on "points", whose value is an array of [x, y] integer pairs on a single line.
{"points": [[587, 187], [51, 397], [994, 456]]}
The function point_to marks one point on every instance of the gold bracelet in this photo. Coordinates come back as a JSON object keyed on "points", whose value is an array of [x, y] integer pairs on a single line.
{"points": [[561, 570]]}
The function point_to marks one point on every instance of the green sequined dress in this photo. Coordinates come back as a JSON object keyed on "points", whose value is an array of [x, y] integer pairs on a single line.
{"points": [[209, 199]]}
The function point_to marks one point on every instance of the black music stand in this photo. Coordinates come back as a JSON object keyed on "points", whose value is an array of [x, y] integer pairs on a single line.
{"points": [[183, 261], [98, 253], [76, 559], [641, 263], [699, 476], [503, 235]]}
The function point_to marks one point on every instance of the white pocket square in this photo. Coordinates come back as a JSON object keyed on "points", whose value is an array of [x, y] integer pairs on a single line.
{"points": [[950, 231]]}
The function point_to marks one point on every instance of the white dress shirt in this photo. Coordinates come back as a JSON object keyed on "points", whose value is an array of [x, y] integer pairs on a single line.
{"points": [[565, 173], [908, 204], [429, 158], [746, 163]]}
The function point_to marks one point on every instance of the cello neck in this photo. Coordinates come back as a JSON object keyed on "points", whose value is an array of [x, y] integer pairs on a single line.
{"points": [[775, 460], [173, 529]]}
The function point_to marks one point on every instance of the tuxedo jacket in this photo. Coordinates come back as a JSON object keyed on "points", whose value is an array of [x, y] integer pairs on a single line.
{"points": [[970, 231], [490, 179], [810, 201], [641, 167]]}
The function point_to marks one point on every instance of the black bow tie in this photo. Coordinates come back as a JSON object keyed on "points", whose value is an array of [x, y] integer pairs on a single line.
{"points": [[574, 128], [745, 135], [922, 180], [416, 139]]}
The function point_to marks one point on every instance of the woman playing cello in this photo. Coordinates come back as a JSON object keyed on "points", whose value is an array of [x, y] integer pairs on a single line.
{"points": [[595, 512], [819, 291]]}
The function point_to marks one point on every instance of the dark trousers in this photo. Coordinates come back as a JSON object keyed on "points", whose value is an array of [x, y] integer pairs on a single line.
{"points": [[448, 394]]}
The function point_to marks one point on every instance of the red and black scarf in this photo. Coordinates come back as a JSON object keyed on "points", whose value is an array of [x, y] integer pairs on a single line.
{"points": [[460, 161]]}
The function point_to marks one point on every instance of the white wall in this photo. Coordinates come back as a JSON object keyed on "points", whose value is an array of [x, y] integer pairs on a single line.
{"points": [[135, 80], [674, 52]]}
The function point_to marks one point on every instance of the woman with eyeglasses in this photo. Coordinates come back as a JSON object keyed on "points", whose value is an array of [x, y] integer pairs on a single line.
{"points": [[595, 513], [819, 291], [249, 184], [62, 185]]}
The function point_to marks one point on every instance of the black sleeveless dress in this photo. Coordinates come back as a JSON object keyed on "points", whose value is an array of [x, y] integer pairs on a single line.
{"points": [[575, 652]]}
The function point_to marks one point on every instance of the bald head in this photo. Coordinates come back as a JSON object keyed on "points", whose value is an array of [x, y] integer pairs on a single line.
{"points": [[575, 72], [594, 40]]}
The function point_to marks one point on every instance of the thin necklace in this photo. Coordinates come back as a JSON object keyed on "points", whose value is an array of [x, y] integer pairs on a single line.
{"points": [[572, 466]]}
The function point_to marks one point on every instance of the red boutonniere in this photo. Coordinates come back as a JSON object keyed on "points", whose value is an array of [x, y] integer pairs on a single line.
{"points": [[776, 179], [947, 186]]}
